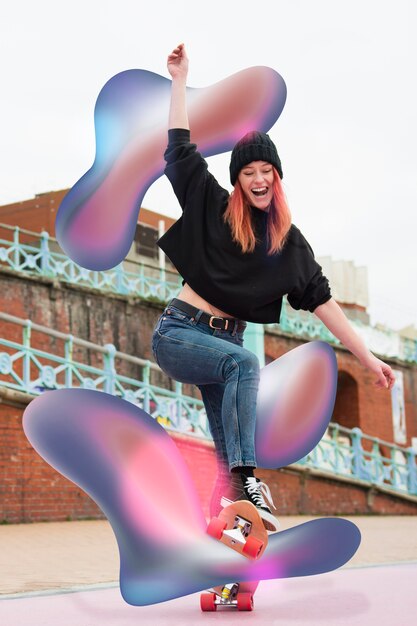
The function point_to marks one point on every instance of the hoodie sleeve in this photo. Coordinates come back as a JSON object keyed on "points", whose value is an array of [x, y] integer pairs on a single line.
{"points": [[311, 288], [186, 169]]}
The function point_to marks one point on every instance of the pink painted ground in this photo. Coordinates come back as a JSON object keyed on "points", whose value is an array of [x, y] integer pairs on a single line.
{"points": [[368, 596]]}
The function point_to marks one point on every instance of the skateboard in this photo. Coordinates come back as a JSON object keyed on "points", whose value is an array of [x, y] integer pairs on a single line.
{"points": [[239, 526]]}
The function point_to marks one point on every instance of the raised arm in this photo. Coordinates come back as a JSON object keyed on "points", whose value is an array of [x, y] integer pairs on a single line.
{"points": [[333, 317], [178, 68]]}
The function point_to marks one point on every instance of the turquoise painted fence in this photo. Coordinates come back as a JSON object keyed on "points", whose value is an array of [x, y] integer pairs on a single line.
{"points": [[34, 359], [39, 254]]}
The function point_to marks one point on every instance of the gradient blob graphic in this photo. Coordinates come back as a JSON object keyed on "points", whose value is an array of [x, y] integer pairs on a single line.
{"points": [[96, 220], [295, 402], [133, 470]]}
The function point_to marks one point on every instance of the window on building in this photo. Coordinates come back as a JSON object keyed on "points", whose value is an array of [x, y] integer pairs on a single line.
{"points": [[145, 240]]}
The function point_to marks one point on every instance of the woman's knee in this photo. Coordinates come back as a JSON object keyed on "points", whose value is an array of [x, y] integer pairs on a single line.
{"points": [[244, 362]]}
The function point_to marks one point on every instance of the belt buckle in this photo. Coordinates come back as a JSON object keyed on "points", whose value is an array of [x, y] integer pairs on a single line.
{"points": [[215, 317]]}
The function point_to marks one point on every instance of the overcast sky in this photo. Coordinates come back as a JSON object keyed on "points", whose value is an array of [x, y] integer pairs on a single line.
{"points": [[347, 136]]}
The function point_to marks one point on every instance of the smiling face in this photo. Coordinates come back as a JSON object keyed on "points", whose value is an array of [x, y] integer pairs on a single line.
{"points": [[256, 179]]}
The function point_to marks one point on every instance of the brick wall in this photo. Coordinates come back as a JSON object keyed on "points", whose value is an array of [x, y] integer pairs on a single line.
{"points": [[301, 492], [31, 491], [128, 324]]}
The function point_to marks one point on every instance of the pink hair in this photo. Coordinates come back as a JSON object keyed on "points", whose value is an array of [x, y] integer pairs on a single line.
{"points": [[237, 215]]}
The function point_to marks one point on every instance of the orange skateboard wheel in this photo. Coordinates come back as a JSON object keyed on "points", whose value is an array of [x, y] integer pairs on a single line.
{"points": [[252, 547], [216, 527], [245, 602], [208, 602]]}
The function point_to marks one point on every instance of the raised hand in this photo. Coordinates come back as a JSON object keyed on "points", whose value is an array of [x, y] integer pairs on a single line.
{"points": [[177, 62]]}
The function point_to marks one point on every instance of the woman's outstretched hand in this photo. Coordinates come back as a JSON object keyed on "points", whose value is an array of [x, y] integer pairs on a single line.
{"points": [[336, 321], [177, 62], [385, 377]]}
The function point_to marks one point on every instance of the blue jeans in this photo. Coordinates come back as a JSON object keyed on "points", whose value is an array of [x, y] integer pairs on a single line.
{"points": [[227, 375]]}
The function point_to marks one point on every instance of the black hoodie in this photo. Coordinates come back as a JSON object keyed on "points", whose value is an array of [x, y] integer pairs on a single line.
{"points": [[248, 286]]}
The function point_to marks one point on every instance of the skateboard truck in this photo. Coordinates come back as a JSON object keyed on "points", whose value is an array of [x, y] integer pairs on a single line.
{"points": [[229, 593], [229, 596], [241, 529], [238, 537]]}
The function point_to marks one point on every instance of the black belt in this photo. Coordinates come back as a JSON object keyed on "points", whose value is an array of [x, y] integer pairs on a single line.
{"points": [[218, 323]]}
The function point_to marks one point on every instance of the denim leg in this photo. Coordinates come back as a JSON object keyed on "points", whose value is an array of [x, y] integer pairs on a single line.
{"points": [[212, 396], [190, 355], [239, 408]]}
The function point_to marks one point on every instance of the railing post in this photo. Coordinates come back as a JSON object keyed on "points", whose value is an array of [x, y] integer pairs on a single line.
{"points": [[109, 368], [16, 246], [26, 357], [378, 464], [411, 471], [72, 271], [357, 452], [45, 253], [69, 345]]}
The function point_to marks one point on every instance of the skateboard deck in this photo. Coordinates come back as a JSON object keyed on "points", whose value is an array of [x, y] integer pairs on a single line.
{"points": [[239, 526]]}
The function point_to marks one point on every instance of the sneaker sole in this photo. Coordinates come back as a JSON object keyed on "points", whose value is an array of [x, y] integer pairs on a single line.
{"points": [[271, 526]]}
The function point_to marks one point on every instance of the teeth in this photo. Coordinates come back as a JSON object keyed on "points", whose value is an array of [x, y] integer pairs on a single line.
{"points": [[258, 191]]}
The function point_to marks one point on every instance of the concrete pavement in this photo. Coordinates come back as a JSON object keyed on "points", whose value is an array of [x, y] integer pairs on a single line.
{"points": [[60, 555], [40, 563]]}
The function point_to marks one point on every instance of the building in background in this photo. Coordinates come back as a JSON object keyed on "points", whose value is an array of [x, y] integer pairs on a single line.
{"points": [[39, 285], [349, 285], [39, 214]]}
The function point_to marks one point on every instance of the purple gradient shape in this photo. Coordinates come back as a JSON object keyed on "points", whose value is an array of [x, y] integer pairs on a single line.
{"points": [[97, 219], [131, 467], [295, 403]]}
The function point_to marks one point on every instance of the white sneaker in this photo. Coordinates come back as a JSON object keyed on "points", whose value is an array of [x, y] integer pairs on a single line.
{"points": [[255, 491]]}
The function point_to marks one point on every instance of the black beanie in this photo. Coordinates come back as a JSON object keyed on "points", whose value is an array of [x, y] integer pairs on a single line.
{"points": [[254, 146]]}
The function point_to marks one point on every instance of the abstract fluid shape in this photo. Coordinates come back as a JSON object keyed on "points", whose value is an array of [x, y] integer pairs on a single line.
{"points": [[295, 403], [132, 469], [97, 219]]}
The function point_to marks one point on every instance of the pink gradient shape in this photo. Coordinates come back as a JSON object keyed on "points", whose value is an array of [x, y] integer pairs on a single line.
{"points": [[296, 397], [130, 466], [96, 220]]}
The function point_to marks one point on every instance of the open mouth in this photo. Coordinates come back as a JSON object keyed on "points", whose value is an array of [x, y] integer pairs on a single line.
{"points": [[259, 191]]}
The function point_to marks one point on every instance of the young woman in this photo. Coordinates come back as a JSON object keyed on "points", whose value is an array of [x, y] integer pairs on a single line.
{"points": [[239, 255]]}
